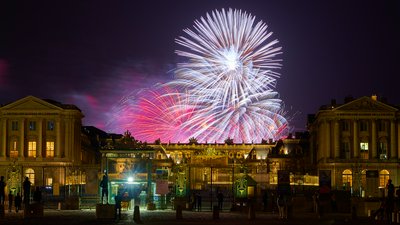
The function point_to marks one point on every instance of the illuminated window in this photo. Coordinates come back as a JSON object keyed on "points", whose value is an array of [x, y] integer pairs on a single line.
{"points": [[50, 125], [30, 173], [347, 178], [14, 150], [32, 125], [49, 181], [50, 149], [364, 150], [14, 125], [383, 178], [32, 149]]}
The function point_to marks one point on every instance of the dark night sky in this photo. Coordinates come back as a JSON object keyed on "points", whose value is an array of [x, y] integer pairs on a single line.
{"points": [[92, 53]]}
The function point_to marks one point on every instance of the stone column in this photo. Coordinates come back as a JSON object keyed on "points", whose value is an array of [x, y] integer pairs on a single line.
{"points": [[374, 149], [393, 150], [39, 149], [355, 139], [21, 152], [58, 139], [327, 139], [336, 146], [398, 138], [3, 149], [321, 141]]}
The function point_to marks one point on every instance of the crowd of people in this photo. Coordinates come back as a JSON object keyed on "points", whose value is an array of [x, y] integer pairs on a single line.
{"points": [[16, 199]]}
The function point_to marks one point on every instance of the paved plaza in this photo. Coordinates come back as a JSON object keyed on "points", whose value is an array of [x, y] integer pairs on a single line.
{"points": [[88, 217]]}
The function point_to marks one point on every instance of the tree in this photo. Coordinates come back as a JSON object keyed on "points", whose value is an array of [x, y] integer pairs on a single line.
{"points": [[229, 141], [193, 140]]}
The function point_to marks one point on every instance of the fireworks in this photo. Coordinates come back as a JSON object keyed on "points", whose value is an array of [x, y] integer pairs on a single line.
{"points": [[223, 89]]}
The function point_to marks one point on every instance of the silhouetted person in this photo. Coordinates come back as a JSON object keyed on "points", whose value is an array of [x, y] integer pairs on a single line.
{"points": [[10, 201], [104, 188], [17, 202], [194, 205], [265, 200], [220, 197], [389, 200], [2, 190], [282, 207], [198, 196], [27, 190], [118, 200], [37, 195]]}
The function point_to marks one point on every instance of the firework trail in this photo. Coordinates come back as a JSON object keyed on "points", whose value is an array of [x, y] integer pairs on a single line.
{"points": [[224, 88]]}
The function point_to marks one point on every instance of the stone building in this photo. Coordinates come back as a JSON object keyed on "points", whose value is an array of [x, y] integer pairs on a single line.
{"points": [[158, 171], [44, 140], [357, 144]]}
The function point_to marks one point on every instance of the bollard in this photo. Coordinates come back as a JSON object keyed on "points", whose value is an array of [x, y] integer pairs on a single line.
{"points": [[215, 212], [136, 215], [252, 213], [179, 212], [59, 206]]}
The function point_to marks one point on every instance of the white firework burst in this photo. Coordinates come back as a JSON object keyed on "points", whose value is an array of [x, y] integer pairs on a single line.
{"points": [[229, 76]]}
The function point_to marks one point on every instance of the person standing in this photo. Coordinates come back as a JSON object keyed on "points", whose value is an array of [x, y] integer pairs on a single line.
{"points": [[10, 201], [104, 188], [17, 202], [389, 200], [118, 206], [198, 202], [27, 190], [2, 190], [220, 197]]}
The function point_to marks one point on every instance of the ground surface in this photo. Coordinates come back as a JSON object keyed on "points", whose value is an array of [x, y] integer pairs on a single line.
{"points": [[88, 217]]}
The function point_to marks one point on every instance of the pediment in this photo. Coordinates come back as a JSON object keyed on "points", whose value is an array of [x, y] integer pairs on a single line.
{"points": [[30, 103], [366, 104]]}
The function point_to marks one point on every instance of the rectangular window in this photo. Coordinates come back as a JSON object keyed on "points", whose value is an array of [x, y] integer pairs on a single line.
{"points": [[14, 150], [32, 125], [346, 150], [345, 126], [364, 150], [382, 125], [32, 149], [14, 125], [382, 150], [49, 181], [363, 126], [50, 149], [50, 125]]}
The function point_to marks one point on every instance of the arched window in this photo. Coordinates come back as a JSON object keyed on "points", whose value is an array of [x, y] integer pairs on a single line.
{"points": [[30, 173], [347, 178], [383, 178]]}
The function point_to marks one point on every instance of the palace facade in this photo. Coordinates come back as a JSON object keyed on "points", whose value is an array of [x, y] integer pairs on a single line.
{"points": [[352, 146], [357, 144], [44, 141], [240, 171]]}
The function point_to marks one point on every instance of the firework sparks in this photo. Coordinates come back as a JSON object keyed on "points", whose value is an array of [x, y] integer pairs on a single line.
{"points": [[224, 89]]}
